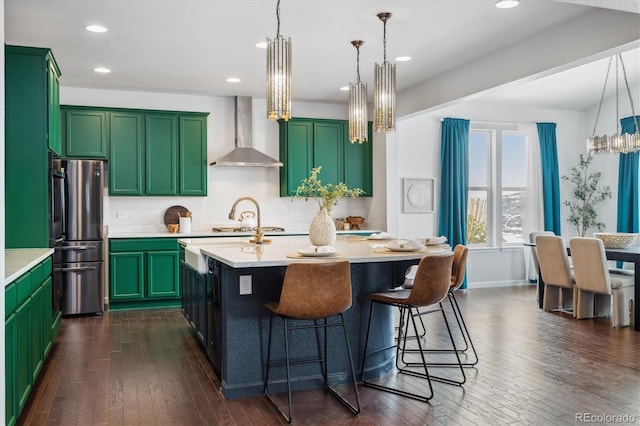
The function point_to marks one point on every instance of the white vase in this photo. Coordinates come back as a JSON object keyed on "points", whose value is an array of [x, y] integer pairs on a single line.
{"points": [[322, 231]]}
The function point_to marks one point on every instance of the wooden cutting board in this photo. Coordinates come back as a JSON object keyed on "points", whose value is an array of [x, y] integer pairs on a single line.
{"points": [[173, 213]]}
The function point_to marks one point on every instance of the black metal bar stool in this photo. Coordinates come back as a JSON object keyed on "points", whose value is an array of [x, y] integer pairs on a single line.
{"points": [[311, 292], [430, 286]]}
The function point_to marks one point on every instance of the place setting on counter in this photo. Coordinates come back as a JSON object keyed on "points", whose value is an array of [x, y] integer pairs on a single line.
{"points": [[316, 251], [422, 245]]}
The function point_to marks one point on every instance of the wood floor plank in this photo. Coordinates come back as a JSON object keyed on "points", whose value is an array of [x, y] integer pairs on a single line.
{"points": [[145, 368]]}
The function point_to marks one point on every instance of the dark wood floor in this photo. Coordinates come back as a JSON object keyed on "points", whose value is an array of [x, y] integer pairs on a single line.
{"points": [[145, 368]]}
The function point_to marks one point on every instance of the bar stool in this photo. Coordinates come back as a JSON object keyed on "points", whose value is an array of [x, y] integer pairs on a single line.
{"points": [[458, 271], [430, 286], [311, 292]]}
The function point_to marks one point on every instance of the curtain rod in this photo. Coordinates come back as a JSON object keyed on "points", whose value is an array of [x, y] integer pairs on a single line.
{"points": [[494, 122]]}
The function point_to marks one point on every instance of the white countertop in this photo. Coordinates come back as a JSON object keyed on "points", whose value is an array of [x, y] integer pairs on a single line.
{"points": [[200, 234], [19, 261], [238, 252]]}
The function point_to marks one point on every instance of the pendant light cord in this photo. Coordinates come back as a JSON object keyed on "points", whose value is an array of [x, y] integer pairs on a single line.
{"points": [[606, 78], [358, 62], [626, 82], [384, 41], [278, 18]]}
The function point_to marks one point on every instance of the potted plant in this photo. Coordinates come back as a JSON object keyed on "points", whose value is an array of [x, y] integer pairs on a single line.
{"points": [[322, 230], [586, 194]]}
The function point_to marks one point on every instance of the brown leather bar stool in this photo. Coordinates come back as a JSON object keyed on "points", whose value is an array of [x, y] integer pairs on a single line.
{"points": [[430, 286], [311, 292]]}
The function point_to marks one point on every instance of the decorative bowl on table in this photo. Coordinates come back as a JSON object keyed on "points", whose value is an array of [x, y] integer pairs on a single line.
{"points": [[355, 221], [615, 240]]}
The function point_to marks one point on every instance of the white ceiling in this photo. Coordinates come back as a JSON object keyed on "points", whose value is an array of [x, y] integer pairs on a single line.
{"points": [[192, 46]]}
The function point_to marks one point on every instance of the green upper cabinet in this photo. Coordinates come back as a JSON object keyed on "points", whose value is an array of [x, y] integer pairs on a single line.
{"points": [[296, 152], [126, 160], [84, 133], [306, 143], [31, 116], [161, 154], [358, 161], [55, 142], [193, 155]]}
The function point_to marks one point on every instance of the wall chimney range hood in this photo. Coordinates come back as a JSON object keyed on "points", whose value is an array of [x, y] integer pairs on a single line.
{"points": [[244, 154]]}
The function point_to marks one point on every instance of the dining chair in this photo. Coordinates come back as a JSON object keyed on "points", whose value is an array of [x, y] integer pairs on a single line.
{"points": [[430, 286], [559, 283], [596, 287], [312, 292], [534, 252]]}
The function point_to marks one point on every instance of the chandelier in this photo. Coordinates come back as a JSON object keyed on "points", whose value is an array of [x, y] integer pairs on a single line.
{"points": [[358, 104], [616, 143], [384, 88], [278, 75]]}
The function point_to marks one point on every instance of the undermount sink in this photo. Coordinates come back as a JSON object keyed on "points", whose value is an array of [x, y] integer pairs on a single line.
{"points": [[240, 229]]}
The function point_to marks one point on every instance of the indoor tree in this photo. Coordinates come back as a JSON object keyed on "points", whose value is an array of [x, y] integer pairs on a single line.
{"points": [[586, 194]]}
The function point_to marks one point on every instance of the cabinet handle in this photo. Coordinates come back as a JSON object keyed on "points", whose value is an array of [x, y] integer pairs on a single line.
{"points": [[90, 247], [74, 269]]}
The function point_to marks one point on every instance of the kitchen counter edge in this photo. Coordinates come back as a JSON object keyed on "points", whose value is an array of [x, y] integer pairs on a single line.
{"points": [[210, 234], [19, 261]]}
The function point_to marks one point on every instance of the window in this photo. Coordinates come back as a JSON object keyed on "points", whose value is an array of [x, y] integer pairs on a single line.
{"points": [[497, 185]]}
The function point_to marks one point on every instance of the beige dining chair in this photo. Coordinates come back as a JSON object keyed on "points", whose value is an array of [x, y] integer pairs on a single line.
{"points": [[559, 283], [596, 287]]}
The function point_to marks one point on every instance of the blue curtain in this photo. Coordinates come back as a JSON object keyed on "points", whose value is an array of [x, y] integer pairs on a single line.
{"points": [[628, 184], [550, 177], [454, 181]]}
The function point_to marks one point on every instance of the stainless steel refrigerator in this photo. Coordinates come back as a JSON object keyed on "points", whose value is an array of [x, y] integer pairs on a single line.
{"points": [[78, 268]]}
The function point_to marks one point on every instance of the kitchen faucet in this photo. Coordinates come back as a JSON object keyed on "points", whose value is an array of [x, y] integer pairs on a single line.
{"points": [[232, 215]]}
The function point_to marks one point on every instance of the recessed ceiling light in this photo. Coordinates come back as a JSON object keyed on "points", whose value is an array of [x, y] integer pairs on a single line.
{"points": [[233, 80], [262, 44], [506, 4], [345, 88], [96, 28], [403, 58], [102, 70]]}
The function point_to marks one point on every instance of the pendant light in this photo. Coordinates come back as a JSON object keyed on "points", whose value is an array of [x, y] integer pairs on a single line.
{"points": [[616, 143], [358, 103], [278, 75], [384, 88]]}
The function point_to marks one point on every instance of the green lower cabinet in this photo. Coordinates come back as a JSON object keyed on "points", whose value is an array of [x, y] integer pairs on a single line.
{"points": [[143, 273], [37, 333], [28, 335], [126, 275], [24, 378], [11, 369], [162, 275], [47, 320]]}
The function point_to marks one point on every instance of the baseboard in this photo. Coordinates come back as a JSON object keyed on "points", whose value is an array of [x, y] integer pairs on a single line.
{"points": [[491, 284]]}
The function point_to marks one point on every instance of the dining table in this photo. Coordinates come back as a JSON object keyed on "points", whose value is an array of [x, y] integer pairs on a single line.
{"points": [[628, 254]]}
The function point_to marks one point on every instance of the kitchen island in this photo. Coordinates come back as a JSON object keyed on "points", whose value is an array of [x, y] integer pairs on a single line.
{"points": [[236, 330]]}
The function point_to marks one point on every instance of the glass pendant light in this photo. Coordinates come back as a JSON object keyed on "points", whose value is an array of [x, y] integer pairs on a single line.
{"points": [[278, 75], [616, 143], [358, 104], [384, 88]]}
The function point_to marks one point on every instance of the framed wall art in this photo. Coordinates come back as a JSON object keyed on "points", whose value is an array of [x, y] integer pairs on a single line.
{"points": [[418, 195]]}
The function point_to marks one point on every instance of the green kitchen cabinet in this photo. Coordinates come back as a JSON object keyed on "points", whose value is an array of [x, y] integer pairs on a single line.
{"points": [[126, 275], [144, 272], [53, 106], [84, 133], [306, 143], [358, 161], [10, 369], [296, 153], [28, 334], [31, 129], [193, 155], [126, 153], [24, 377], [161, 154]]}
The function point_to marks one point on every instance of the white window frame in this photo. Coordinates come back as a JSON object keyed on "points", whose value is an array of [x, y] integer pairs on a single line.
{"points": [[494, 190]]}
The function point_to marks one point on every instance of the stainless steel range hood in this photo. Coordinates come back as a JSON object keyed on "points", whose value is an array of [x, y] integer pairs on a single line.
{"points": [[244, 154]]}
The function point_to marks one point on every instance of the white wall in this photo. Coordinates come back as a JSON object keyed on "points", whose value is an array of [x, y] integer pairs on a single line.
{"points": [[418, 155], [225, 184]]}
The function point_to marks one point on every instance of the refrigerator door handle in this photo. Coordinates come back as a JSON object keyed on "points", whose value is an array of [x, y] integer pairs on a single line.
{"points": [[77, 268], [89, 247]]}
